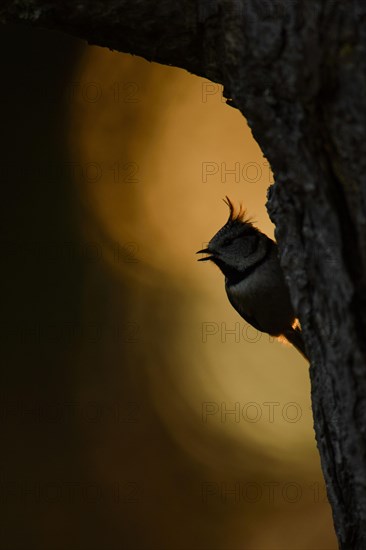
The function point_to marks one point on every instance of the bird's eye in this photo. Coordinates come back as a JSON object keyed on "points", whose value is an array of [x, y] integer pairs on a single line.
{"points": [[227, 241]]}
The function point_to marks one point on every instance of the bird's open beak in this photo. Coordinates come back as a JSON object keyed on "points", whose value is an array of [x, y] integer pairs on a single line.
{"points": [[204, 251]]}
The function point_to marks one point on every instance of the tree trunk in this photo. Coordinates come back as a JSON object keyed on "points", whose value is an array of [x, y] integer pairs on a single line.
{"points": [[297, 71]]}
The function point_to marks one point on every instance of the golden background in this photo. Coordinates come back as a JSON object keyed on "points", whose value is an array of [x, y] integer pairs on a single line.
{"points": [[159, 419]]}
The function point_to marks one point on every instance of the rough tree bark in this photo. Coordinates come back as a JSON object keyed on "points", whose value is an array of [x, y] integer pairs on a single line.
{"points": [[296, 69]]}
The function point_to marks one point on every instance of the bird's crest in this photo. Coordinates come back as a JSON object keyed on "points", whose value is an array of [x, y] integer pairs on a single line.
{"points": [[236, 216]]}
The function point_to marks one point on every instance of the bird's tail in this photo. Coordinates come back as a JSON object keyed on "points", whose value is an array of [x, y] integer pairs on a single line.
{"points": [[294, 336]]}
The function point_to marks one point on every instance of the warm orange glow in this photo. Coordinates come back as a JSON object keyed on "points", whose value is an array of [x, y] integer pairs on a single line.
{"points": [[223, 404]]}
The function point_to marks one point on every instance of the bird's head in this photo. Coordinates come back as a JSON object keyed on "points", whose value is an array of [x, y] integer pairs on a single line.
{"points": [[236, 246]]}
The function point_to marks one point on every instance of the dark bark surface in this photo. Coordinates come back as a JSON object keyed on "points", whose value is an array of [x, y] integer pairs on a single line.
{"points": [[297, 71]]}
